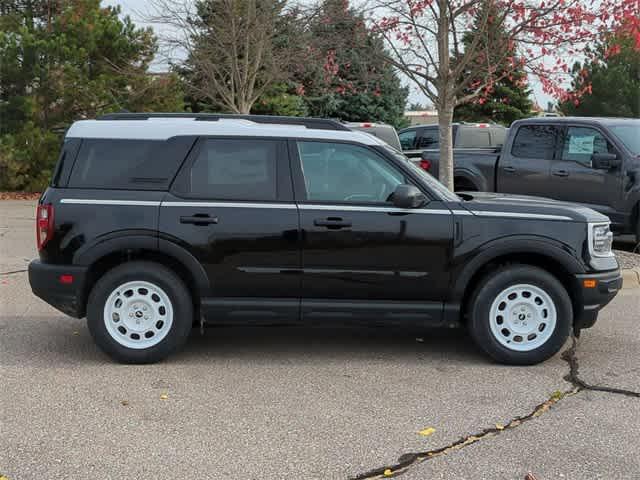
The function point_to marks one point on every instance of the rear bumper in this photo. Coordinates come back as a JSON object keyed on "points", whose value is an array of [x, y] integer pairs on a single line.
{"points": [[592, 300], [67, 297]]}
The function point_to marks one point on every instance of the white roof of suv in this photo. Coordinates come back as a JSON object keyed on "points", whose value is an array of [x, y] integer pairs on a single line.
{"points": [[162, 128]]}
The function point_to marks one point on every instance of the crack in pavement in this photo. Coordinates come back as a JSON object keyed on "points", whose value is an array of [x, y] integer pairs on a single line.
{"points": [[572, 377], [13, 272], [408, 460]]}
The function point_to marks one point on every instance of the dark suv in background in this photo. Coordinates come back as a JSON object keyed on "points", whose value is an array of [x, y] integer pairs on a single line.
{"points": [[154, 222]]}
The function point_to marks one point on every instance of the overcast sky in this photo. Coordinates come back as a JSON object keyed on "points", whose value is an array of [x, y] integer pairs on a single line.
{"points": [[138, 10]]}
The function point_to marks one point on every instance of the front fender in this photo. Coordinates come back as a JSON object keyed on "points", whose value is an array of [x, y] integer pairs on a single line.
{"points": [[551, 249]]}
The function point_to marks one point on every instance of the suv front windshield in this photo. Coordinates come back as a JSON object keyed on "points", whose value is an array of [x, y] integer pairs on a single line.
{"points": [[426, 177]]}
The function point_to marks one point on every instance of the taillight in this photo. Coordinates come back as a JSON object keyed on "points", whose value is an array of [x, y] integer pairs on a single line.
{"points": [[425, 165], [44, 224]]}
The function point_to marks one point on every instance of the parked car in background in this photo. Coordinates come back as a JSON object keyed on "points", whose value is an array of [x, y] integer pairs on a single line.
{"points": [[591, 161], [467, 137], [383, 131], [155, 222]]}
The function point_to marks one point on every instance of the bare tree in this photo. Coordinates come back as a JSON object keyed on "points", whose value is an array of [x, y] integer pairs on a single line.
{"points": [[231, 49], [424, 38]]}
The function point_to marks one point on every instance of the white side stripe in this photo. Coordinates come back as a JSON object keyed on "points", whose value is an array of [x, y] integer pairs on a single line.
{"points": [[230, 205], [540, 216], [87, 201], [354, 208]]}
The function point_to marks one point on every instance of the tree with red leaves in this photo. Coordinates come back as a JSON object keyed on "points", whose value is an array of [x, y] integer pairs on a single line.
{"points": [[423, 36]]}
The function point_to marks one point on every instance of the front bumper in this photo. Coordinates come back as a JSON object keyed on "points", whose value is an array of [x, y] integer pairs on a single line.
{"points": [[593, 299], [46, 283]]}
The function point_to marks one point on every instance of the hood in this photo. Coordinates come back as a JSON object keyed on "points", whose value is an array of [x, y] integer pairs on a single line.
{"points": [[528, 207]]}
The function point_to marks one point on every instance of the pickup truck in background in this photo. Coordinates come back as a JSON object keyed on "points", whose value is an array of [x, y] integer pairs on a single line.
{"points": [[591, 161], [467, 138]]}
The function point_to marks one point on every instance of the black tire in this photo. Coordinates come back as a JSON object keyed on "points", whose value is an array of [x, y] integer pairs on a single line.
{"points": [[158, 275], [494, 285]]}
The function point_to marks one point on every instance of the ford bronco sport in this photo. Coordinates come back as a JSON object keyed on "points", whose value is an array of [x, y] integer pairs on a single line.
{"points": [[153, 222]]}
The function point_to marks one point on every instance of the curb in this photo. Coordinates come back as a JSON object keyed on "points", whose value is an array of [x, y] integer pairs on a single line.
{"points": [[631, 278]]}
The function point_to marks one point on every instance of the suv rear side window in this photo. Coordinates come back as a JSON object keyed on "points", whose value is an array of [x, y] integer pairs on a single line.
{"points": [[128, 164], [230, 169], [534, 141]]}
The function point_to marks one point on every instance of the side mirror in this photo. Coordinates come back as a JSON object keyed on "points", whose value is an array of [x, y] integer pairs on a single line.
{"points": [[605, 161], [408, 196]]}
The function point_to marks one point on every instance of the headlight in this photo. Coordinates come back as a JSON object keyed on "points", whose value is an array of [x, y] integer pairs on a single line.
{"points": [[600, 240]]}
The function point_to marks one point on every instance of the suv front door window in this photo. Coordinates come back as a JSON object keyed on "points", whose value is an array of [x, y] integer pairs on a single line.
{"points": [[339, 172]]}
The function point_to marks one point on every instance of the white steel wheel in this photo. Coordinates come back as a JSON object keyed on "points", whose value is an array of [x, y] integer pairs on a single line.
{"points": [[138, 314], [522, 317]]}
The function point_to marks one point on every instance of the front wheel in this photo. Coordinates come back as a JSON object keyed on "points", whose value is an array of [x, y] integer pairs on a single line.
{"points": [[140, 312], [520, 315]]}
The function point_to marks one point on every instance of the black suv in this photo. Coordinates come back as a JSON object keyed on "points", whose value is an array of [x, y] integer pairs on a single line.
{"points": [[155, 222]]}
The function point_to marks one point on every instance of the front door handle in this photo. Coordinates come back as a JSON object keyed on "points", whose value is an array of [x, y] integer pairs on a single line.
{"points": [[509, 169], [200, 219], [560, 173], [332, 223]]}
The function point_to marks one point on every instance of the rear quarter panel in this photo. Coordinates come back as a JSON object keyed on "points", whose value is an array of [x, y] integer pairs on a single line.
{"points": [[83, 218]]}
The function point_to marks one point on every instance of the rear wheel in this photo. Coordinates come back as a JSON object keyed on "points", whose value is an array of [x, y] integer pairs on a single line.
{"points": [[520, 315], [140, 312]]}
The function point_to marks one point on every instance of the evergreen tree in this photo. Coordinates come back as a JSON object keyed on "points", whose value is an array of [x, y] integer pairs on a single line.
{"points": [[610, 84], [507, 99], [62, 61], [345, 74]]}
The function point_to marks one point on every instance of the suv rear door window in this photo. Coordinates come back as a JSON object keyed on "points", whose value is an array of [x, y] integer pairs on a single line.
{"points": [[235, 169], [128, 164], [534, 141]]}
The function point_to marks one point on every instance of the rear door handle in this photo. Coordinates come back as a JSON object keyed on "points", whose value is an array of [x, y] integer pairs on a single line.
{"points": [[509, 169], [332, 223], [560, 173], [200, 219]]}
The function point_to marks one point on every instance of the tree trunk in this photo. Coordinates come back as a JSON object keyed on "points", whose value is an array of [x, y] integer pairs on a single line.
{"points": [[445, 118]]}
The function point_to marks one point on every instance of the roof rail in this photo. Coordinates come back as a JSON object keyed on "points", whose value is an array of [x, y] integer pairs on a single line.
{"points": [[311, 123]]}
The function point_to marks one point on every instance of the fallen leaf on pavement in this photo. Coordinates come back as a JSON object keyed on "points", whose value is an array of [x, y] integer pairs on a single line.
{"points": [[387, 473], [499, 426], [164, 396], [124, 403], [427, 431]]}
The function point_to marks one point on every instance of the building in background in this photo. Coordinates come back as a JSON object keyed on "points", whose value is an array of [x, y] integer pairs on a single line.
{"points": [[421, 117]]}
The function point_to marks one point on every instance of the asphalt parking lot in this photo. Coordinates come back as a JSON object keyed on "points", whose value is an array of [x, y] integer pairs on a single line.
{"points": [[273, 403]]}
